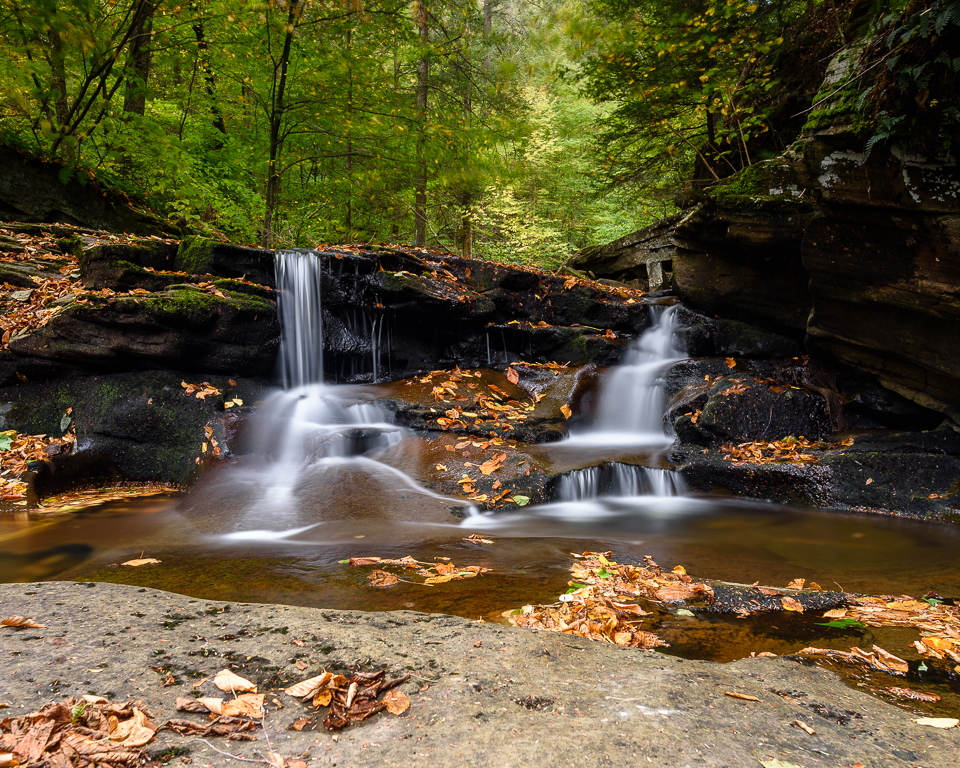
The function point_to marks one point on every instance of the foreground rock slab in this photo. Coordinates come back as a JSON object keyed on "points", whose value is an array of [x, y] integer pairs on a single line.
{"points": [[485, 695]]}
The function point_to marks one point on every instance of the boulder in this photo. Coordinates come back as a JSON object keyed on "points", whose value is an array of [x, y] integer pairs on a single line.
{"points": [[182, 327], [138, 425], [860, 256]]}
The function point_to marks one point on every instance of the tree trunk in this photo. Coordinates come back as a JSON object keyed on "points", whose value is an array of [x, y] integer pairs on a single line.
{"points": [[423, 79], [141, 55], [278, 107], [209, 79]]}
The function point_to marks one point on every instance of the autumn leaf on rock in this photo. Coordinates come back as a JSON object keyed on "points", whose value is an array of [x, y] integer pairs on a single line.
{"points": [[396, 701], [790, 604], [141, 561], [308, 687], [796, 584], [731, 363], [230, 682], [565, 410], [744, 696], [245, 705], [21, 622], [512, 376]]}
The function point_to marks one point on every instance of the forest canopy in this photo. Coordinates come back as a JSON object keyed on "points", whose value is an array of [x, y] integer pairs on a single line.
{"points": [[498, 128]]}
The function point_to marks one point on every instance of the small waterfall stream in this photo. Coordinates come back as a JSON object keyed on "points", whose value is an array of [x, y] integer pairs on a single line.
{"points": [[630, 411], [632, 401], [324, 453]]}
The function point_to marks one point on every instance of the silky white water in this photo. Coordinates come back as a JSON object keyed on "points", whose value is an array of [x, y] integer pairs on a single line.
{"points": [[631, 404]]}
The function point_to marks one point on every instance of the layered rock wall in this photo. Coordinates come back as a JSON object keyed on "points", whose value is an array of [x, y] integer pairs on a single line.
{"points": [[861, 256]]}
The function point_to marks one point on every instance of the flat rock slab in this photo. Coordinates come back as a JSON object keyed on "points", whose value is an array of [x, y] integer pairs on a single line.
{"points": [[485, 695]]}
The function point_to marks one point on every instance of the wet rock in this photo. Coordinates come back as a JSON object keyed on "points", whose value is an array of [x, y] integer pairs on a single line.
{"points": [[742, 408], [708, 337], [182, 327], [691, 723], [137, 424], [907, 473], [201, 256], [806, 243]]}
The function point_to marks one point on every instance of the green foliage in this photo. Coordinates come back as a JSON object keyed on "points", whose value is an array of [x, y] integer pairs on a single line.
{"points": [[915, 101], [842, 624]]}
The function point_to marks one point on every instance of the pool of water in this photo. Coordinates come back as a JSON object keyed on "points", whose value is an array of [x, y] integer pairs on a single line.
{"points": [[733, 541]]}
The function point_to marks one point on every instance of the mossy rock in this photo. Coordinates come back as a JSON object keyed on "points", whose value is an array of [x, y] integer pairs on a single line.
{"points": [[203, 256], [141, 423], [183, 327]]}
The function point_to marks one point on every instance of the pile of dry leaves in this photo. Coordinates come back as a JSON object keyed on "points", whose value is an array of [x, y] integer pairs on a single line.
{"points": [[91, 731], [484, 404], [938, 623], [601, 603], [430, 573], [788, 450], [16, 450], [351, 699], [77, 732]]}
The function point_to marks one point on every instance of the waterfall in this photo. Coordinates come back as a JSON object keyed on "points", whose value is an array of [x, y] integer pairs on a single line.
{"points": [[632, 401], [616, 479], [298, 305]]}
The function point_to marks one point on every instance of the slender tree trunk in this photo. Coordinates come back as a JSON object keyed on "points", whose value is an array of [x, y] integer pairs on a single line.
{"points": [[141, 55], [348, 223], [278, 107], [423, 80], [209, 79], [58, 79]]}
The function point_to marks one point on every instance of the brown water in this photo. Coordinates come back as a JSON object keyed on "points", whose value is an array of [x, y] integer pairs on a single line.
{"points": [[529, 563]]}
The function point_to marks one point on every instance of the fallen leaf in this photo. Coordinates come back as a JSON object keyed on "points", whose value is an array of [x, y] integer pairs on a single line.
{"points": [[21, 621], [382, 579], [245, 705], [565, 410], [396, 701], [212, 704], [308, 687], [804, 727], [744, 696], [796, 584], [938, 722], [229, 682], [789, 604], [731, 363], [140, 561], [512, 376], [441, 467], [322, 698]]}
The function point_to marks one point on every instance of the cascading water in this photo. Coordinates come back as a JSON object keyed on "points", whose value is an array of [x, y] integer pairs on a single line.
{"points": [[324, 454], [617, 496], [616, 479], [632, 400]]}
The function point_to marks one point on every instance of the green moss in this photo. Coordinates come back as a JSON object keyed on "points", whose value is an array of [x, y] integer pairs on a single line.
{"points": [[768, 186], [194, 255]]}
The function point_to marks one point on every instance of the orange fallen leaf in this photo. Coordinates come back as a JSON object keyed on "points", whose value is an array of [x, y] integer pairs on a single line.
{"points": [[230, 682], [512, 376], [21, 621], [744, 696], [396, 701], [565, 410], [140, 561], [790, 604]]}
